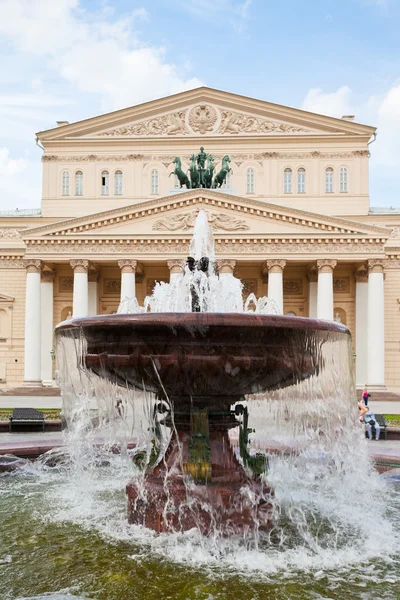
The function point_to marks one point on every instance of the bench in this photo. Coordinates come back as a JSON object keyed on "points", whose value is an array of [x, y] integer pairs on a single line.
{"points": [[27, 419]]}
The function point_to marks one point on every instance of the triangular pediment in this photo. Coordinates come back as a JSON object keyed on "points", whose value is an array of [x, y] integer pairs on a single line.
{"points": [[230, 216], [205, 112]]}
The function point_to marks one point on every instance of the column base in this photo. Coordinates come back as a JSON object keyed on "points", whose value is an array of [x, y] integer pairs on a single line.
{"points": [[47, 382], [32, 383]]}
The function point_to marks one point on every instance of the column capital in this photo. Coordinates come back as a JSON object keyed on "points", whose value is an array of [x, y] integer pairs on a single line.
{"points": [[47, 274], [225, 265], [176, 265], [326, 265], [32, 266], [93, 274], [128, 266], [79, 266], [361, 273], [376, 265], [274, 266], [312, 274]]}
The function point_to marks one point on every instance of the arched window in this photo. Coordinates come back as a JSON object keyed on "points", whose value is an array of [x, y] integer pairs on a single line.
{"points": [[154, 181], [105, 177], [329, 180], [65, 183], [118, 183], [287, 181], [301, 181], [78, 183], [227, 182], [250, 181], [343, 179]]}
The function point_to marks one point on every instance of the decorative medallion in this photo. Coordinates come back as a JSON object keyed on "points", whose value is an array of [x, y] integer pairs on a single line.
{"points": [[202, 118]]}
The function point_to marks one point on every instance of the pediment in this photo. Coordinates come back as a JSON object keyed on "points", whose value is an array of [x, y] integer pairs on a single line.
{"points": [[205, 112], [229, 216]]}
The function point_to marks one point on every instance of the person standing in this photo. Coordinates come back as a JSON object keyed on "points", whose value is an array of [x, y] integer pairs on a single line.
{"points": [[365, 396], [368, 418]]}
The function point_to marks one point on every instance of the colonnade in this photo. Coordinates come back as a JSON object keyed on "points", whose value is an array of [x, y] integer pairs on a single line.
{"points": [[369, 305]]}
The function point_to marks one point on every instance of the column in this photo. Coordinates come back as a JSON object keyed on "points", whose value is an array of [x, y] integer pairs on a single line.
{"points": [[376, 324], [312, 277], [176, 269], [325, 289], [128, 283], [80, 305], [47, 325], [93, 291], [32, 374], [225, 267], [275, 281], [361, 277]]}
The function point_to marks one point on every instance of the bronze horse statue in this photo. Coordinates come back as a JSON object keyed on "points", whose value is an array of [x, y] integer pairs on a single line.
{"points": [[208, 175], [194, 174], [182, 177], [221, 175]]}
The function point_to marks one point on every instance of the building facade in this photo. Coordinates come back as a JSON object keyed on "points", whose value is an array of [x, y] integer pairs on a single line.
{"points": [[293, 221]]}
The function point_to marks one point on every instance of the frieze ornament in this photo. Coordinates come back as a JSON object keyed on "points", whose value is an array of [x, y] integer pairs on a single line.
{"points": [[293, 287], [9, 234], [341, 285], [66, 284], [185, 221], [202, 118]]}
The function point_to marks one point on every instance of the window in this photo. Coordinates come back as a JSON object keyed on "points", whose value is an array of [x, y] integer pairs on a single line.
{"points": [[287, 181], [250, 181], [78, 183], [154, 181], [118, 183], [343, 180], [104, 183], [301, 181], [65, 183], [227, 182], [329, 180]]}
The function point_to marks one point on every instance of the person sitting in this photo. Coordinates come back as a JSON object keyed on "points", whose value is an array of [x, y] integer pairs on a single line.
{"points": [[368, 418]]}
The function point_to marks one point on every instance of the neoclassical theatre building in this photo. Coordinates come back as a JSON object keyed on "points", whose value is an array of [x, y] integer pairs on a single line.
{"points": [[292, 220]]}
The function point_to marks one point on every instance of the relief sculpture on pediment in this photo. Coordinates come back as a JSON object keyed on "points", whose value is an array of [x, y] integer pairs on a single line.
{"points": [[185, 221], [171, 124], [234, 123]]}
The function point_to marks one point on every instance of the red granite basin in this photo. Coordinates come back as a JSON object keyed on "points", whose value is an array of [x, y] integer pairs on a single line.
{"points": [[203, 355]]}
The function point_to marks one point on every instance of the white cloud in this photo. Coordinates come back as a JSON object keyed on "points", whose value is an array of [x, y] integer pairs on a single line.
{"points": [[382, 112], [334, 104], [10, 166], [95, 53]]}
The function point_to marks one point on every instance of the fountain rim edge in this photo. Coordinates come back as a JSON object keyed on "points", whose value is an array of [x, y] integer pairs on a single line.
{"points": [[203, 319]]}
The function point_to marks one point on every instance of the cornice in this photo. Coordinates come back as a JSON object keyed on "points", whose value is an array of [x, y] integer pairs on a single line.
{"points": [[208, 198]]}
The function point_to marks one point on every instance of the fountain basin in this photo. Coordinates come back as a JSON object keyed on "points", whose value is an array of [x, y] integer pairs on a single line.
{"points": [[202, 355]]}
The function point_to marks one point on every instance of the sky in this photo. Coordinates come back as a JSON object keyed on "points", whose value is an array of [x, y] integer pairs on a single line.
{"points": [[74, 59]]}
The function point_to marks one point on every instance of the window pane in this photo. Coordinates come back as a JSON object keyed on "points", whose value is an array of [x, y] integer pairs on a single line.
{"points": [[65, 183], [329, 180], [343, 179], [118, 183], [154, 181], [301, 181], [78, 183], [104, 183], [287, 181], [250, 181]]}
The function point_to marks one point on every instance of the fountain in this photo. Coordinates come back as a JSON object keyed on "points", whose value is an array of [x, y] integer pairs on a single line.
{"points": [[201, 352]]}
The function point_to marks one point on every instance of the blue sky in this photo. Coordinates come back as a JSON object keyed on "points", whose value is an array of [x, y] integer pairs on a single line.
{"points": [[71, 59]]}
